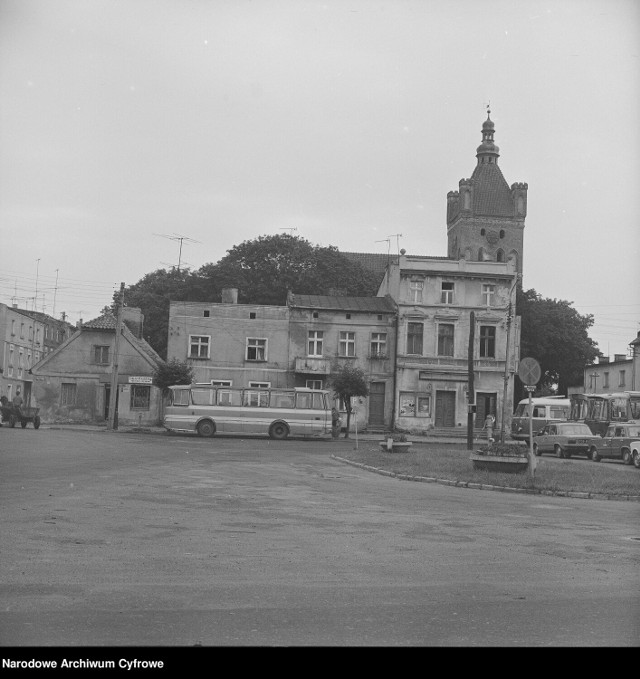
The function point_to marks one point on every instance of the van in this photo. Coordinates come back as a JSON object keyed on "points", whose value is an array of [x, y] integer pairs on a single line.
{"points": [[545, 410]]}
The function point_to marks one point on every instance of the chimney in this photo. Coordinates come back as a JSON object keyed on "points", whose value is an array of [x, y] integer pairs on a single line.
{"points": [[603, 359], [229, 295], [134, 320], [620, 357]]}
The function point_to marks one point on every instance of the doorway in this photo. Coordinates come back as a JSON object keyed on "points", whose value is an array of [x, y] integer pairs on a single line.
{"points": [[445, 408], [486, 403], [376, 404]]}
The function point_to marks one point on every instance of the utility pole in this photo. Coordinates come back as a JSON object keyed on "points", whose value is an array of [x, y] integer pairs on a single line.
{"points": [[113, 394], [507, 364], [470, 388]]}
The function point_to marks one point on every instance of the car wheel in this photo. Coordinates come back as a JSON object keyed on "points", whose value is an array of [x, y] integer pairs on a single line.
{"points": [[23, 424], [626, 456], [636, 459], [206, 428], [279, 431], [558, 451], [36, 422], [593, 455], [12, 420], [535, 450]]}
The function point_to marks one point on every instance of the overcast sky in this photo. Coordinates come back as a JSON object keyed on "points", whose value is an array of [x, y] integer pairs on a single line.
{"points": [[343, 122]]}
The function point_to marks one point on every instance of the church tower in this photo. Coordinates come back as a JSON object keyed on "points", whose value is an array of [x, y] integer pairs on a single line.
{"points": [[485, 218]]}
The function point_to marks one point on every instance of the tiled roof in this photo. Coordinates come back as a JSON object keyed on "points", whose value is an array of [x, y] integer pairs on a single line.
{"points": [[104, 322], [491, 193], [370, 304], [376, 262]]}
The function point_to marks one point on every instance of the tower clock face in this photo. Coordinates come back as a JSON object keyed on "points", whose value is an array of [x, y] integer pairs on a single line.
{"points": [[492, 237]]}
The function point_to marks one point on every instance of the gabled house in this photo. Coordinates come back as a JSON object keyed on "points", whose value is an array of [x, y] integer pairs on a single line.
{"points": [[73, 383]]}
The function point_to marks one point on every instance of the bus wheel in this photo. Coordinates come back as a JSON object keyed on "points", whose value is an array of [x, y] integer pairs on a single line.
{"points": [[626, 456], [593, 455], [279, 430], [206, 428]]}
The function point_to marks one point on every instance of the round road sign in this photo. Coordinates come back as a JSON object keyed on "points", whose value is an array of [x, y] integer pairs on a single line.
{"points": [[529, 371]]}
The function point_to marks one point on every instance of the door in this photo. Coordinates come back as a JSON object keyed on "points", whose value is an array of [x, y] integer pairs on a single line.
{"points": [[445, 408], [486, 405], [376, 403]]}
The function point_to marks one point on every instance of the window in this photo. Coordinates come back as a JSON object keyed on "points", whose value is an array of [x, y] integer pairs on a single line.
{"points": [[424, 406], [256, 349], [30, 332], [252, 314], [445, 339], [447, 292], [487, 341], [407, 404], [221, 383], [20, 362], [180, 397], [22, 330], [622, 378], [256, 399], [415, 291], [605, 384], [140, 397], [199, 346], [229, 397], [286, 399], [101, 355], [67, 394], [260, 385], [308, 400], [315, 314], [314, 345], [378, 345], [313, 384], [348, 316], [488, 291], [10, 367], [206, 313], [347, 344], [38, 335], [414, 338], [13, 327]]}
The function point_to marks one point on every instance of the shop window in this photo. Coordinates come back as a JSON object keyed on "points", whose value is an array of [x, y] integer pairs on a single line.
{"points": [[140, 397]]}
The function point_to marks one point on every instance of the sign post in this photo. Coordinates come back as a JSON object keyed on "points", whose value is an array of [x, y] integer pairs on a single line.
{"points": [[529, 373]]}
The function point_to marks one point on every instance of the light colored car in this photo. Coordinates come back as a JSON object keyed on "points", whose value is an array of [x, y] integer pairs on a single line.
{"points": [[635, 453], [565, 439], [616, 443]]}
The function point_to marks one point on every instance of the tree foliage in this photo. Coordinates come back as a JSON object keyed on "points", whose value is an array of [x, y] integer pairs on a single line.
{"points": [[172, 372], [349, 382], [555, 334]]}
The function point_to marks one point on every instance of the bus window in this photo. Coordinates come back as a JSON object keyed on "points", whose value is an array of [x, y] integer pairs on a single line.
{"points": [[619, 409], [559, 413], [634, 409], [540, 411], [282, 399], [318, 401], [598, 410], [203, 397], [180, 397], [259, 399], [229, 397], [304, 400]]}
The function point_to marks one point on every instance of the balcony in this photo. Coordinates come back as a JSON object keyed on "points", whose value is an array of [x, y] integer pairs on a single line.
{"points": [[318, 366]]}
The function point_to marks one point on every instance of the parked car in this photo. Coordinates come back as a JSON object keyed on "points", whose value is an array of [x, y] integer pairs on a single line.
{"points": [[616, 443], [635, 453], [565, 439]]}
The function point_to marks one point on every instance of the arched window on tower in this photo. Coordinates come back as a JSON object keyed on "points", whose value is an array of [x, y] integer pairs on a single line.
{"points": [[500, 256], [513, 255]]}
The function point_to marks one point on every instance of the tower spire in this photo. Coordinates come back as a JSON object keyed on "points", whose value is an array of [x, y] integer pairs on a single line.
{"points": [[488, 152]]}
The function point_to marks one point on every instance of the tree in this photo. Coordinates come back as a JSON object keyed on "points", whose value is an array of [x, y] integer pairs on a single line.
{"points": [[555, 334], [347, 383], [173, 372], [265, 268]]}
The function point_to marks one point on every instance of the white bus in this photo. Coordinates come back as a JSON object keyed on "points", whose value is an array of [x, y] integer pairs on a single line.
{"points": [[545, 410], [280, 413]]}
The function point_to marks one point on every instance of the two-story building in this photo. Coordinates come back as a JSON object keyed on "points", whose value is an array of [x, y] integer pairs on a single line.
{"points": [[26, 337], [437, 298]]}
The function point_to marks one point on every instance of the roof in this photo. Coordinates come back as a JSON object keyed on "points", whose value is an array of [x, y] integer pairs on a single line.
{"points": [[491, 193], [376, 262], [367, 304], [107, 322]]}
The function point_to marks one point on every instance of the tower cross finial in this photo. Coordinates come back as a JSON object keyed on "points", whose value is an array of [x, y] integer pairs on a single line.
{"points": [[489, 109]]}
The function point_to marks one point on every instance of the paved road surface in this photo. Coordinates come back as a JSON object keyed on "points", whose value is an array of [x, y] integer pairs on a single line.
{"points": [[128, 539]]}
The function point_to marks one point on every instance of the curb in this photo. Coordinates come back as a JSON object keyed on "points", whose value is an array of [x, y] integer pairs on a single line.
{"points": [[484, 486]]}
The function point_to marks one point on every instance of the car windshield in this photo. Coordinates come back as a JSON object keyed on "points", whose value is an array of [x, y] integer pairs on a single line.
{"points": [[633, 432], [574, 430]]}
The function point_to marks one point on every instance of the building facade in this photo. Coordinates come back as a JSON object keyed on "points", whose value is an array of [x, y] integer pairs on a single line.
{"points": [[73, 383], [442, 306], [27, 337], [608, 376]]}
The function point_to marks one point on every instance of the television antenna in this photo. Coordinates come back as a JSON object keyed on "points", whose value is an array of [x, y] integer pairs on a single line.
{"points": [[290, 228], [180, 238]]}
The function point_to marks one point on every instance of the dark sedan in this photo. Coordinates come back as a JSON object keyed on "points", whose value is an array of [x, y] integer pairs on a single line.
{"points": [[565, 439]]}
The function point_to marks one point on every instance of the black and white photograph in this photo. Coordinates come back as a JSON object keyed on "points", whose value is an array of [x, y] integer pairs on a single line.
{"points": [[319, 327]]}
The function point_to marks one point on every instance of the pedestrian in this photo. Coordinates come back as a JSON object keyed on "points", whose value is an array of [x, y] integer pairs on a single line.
{"points": [[17, 401], [335, 422], [488, 425]]}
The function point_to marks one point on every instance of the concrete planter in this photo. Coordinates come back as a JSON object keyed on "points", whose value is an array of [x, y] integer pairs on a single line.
{"points": [[500, 463], [396, 446]]}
